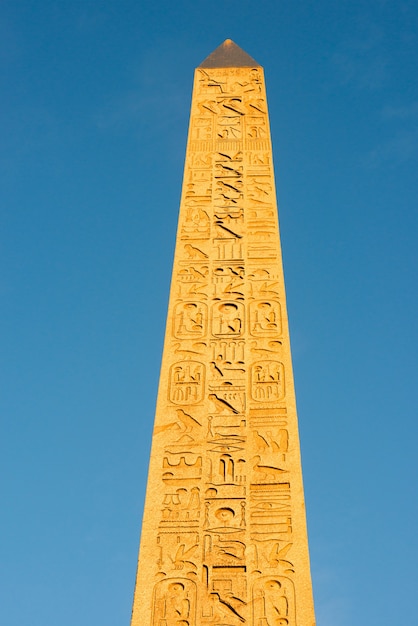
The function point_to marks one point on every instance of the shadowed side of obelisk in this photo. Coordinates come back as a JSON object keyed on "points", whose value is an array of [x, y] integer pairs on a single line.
{"points": [[224, 533]]}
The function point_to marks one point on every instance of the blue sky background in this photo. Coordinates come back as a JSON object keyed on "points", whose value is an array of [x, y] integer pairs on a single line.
{"points": [[94, 115]]}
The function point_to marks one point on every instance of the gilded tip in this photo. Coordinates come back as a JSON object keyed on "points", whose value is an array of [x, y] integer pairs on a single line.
{"points": [[228, 54]]}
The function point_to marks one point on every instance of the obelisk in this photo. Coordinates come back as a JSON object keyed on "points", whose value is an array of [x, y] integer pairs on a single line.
{"points": [[224, 538]]}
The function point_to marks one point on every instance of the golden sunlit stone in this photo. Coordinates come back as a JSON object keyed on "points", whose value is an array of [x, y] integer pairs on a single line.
{"points": [[224, 537]]}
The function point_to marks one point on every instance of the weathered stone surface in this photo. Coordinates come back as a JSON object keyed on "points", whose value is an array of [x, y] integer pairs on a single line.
{"points": [[224, 533]]}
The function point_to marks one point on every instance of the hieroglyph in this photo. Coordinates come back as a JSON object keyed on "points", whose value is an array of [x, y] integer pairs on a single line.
{"points": [[224, 534]]}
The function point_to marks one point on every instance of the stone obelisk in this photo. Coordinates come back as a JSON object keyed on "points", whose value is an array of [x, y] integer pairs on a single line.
{"points": [[224, 538]]}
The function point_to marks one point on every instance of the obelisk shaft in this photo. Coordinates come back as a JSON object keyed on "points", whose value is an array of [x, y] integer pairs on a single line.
{"points": [[224, 533]]}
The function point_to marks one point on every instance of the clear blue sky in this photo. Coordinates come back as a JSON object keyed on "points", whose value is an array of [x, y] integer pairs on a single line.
{"points": [[94, 114]]}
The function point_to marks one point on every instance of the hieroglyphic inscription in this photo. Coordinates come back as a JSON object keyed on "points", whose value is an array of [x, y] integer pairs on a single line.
{"points": [[267, 381], [186, 382], [273, 601], [224, 508], [174, 603]]}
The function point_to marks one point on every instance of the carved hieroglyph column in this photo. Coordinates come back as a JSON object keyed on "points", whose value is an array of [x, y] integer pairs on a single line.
{"points": [[224, 532]]}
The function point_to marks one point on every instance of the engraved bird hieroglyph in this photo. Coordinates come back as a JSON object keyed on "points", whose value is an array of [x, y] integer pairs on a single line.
{"points": [[222, 406], [268, 472], [183, 556], [184, 423]]}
